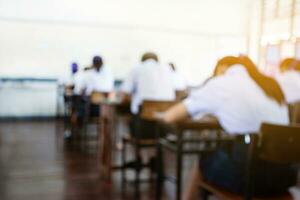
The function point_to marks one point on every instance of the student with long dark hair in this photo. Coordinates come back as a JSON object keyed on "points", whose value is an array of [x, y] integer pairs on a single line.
{"points": [[289, 79], [241, 98]]}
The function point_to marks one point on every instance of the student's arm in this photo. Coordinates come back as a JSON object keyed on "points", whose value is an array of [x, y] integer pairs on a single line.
{"points": [[176, 113], [202, 100]]}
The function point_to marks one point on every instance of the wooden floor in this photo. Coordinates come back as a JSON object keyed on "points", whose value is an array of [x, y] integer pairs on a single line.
{"points": [[36, 164]]}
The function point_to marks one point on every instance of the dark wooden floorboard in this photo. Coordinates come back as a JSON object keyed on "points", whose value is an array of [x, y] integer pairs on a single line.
{"points": [[36, 164]]}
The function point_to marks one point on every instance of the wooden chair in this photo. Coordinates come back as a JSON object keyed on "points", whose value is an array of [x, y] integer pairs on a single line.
{"points": [[147, 113], [94, 100], [180, 147], [97, 97], [277, 144], [294, 110], [92, 104], [84, 104]]}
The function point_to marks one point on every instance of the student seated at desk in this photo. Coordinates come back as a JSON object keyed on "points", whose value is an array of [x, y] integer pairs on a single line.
{"points": [[66, 90], [242, 99], [68, 81], [150, 80], [289, 80], [97, 78]]}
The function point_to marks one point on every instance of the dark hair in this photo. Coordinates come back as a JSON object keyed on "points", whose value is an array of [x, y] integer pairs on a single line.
{"points": [[227, 61], [289, 64], [97, 61], [172, 66], [270, 87], [149, 55], [74, 67]]}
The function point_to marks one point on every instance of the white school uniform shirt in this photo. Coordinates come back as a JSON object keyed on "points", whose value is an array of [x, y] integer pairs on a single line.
{"points": [[93, 80], [290, 85], [99, 81], [79, 82], [149, 81], [178, 81], [237, 101], [66, 80]]}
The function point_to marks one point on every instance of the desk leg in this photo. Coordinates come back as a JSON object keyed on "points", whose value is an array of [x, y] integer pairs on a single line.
{"points": [[105, 150], [101, 147], [179, 166], [159, 170]]}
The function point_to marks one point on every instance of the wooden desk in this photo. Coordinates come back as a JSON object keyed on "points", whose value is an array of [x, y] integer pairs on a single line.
{"points": [[178, 148], [109, 111], [294, 111]]}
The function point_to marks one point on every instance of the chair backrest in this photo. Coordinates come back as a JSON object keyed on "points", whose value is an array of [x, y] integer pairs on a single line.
{"points": [[149, 108], [280, 144], [98, 97], [294, 110]]}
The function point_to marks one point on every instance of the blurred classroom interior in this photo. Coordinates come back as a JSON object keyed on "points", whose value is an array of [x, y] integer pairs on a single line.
{"points": [[136, 99]]}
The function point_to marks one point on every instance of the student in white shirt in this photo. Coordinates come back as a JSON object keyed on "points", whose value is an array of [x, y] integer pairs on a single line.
{"points": [[79, 82], [67, 90], [178, 80], [68, 81], [289, 80], [241, 99], [148, 81], [97, 79]]}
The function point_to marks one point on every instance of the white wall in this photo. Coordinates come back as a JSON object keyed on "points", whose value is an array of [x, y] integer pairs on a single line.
{"points": [[39, 38], [25, 99]]}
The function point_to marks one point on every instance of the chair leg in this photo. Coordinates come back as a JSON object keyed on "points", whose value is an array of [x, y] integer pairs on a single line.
{"points": [[137, 172], [179, 175], [123, 158], [160, 173], [179, 167]]}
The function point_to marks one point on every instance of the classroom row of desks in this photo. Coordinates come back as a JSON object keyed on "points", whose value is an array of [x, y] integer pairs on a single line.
{"points": [[112, 110]]}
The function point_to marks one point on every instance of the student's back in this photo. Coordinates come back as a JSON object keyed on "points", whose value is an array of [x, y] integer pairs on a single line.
{"points": [[149, 81], [154, 81], [242, 99], [97, 78], [99, 81], [237, 101]]}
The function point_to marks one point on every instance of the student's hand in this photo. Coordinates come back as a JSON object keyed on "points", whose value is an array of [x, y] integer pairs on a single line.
{"points": [[162, 117], [159, 116]]}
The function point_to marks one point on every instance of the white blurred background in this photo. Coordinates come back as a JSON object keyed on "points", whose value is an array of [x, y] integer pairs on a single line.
{"points": [[40, 38]]}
